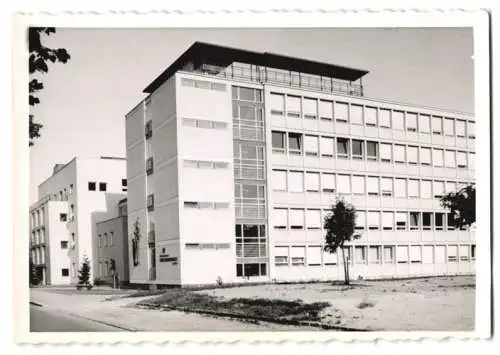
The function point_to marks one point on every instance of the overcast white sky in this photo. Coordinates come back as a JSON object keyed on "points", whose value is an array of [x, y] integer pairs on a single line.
{"points": [[84, 101]]}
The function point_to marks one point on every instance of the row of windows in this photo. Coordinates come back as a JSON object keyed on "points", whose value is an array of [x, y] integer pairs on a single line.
{"points": [[204, 164], [192, 122], [299, 219], [38, 236], [357, 149], [37, 217], [202, 84], [102, 186], [207, 246], [311, 181], [105, 240], [206, 205], [374, 254], [63, 194], [311, 108]]}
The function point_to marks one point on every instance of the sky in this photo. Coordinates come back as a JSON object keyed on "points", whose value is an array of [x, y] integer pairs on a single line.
{"points": [[84, 102]]}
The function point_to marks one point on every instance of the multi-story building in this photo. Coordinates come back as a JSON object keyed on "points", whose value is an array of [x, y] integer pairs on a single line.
{"points": [[71, 201], [235, 157], [111, 249]]}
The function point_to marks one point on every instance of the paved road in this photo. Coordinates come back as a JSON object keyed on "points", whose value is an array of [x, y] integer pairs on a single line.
{"points": [[45, 320]]}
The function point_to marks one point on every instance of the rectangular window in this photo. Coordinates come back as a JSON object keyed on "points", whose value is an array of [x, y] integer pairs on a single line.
{"points": [[424, 124], [372, 185], [63, 217], [293, 106], [464, 252], [414, 221], [313, 255], [296, 218], [385, 118], [151, 202], [399, 153], [398, 120], [427, 254], [64, 244], [296, 181], [473, 252], [342, 148], [452, 253], [460, 128], [358, 185], [472, 161], [461, 159], [340, 111], [310, 108], [281, 255], [440, 254], [298, 255], [278, 141], [412, 155], [386, 186], [311, 145], [92, 186], [360, 220], [278, 180], [370, 116], [438, 189], [439, 221], [449, 127], [372, 150], [413, 188], [326, 110], [415, 254], [373, 220], [400, 187], [388, 254], [294, 143], [326, 146], [426, 220], [357, 149], [438, 157], [450, 221], [387, 221], [425, 156], [426, 189], [401, 221], [411, 122], [312, 182], [437, 125], [64, 272], [471, 130], [277, 104], [328, 182], [280, 217], [360, 254], [374, 254], [449, 186], [313, 219], [343, 184], [402, 254], [449, 157], [102, 186], [386, 152], [356, 116]]}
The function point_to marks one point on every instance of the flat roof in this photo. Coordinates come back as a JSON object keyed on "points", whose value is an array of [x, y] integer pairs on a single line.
{"points": [[224, 56]]}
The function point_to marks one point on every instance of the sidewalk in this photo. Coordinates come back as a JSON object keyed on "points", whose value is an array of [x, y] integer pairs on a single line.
{"points": [[120, 313]]}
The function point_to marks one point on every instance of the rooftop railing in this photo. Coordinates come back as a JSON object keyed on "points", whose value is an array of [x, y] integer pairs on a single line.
{"points": [[281, 78]]}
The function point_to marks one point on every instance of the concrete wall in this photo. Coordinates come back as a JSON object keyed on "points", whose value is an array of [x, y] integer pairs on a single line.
{"points": [[58, 258]]}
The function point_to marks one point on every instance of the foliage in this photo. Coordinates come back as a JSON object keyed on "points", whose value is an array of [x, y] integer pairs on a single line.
{"points": [[339, 226], [135, 242], [34, 274], [39, 57], [84, 272], [462, 204]]}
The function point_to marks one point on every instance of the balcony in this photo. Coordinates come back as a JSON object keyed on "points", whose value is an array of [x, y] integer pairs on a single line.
{"points": [[262, 75], [151, 237], [152, 274]]}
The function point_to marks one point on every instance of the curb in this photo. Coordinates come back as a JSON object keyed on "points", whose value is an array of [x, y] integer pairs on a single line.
{"points": [[109, 324], [246, 317]]}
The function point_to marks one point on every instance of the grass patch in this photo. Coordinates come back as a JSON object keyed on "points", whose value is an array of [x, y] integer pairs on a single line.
{"points": [[253, 307], [365, 304]]}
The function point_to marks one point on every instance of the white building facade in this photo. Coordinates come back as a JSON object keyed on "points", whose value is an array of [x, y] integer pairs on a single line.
{"points": [[71, 201], [235, 157]]}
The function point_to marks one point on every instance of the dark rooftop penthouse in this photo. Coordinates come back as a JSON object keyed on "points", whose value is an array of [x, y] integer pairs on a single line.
{"points": [[263, 67]]}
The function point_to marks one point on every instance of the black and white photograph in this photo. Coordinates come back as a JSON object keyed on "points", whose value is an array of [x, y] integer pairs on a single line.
{"points": [[263, 179]]}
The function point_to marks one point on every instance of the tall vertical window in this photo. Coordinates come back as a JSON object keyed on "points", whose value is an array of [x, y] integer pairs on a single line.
{"points": [[460, 128], [360, 254], [278, 180], [313, 255], [450, 159], [277, 104], [426, 189], [312, 182], [424, 124], [328, 182], [450, 221], [414, 221], [462, 159], [439, 221], [372, 150], [471, 130], [426, 220], [296, 218], [438, 187], [356, 116], [294, 143], [411, 122], [388, 221], [357, 149], [310, 108], [342, 148], [401, 221], [386, 152], [385, 118], [402, 254], [280, 218], [416, 254], [296, 181], [399, 153], [341, 111], [326, 146], [400, 187], [343, 184], [449, 127], [326, 110], [374, 254], [358, 185], [311, 145], [398, 120], [293, 106], [278, 141], [370, 116], [313, 219], [386, 186], [452, 253], [449, 186], [412, 155], [425, 156], [438, 157], [372, 185], [437, 125], [472, 161], [92, 186], [413, 188], [388, 254], [360, 220]]}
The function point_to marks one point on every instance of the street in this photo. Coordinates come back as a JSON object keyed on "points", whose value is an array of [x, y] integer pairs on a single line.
{"points": [[45, 320]]}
